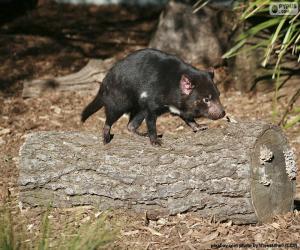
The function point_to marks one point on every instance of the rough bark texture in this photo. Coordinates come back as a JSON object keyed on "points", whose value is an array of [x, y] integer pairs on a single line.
{"points": [[199, 38], [86, 79], [238, 172]]}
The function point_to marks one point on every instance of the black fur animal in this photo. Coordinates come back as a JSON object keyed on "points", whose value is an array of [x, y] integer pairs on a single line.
{"points": [[148, 83]]}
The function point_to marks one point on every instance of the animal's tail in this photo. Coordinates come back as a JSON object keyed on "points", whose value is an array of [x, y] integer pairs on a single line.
{"points": [[92, 108]]}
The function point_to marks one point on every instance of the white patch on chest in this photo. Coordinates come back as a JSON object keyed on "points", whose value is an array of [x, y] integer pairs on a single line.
{"points": [[174, 110], [144, 94]]}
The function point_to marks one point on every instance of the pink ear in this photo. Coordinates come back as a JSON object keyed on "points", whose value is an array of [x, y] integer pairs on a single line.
{"points": [[185, 85]]}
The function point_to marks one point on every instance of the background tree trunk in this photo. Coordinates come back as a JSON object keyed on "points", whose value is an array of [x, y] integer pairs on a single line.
{"points": [[244, 172]]}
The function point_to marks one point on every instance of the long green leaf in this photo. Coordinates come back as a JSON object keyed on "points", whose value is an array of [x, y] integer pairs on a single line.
{"points": [[254, 30], [234, 49], [292, 122], [246, 49], [272, 42], [284, 46], [257, 5], [201, 6]]}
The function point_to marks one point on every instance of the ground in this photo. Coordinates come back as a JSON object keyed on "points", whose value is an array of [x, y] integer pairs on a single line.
{"points": [[57, 40]]}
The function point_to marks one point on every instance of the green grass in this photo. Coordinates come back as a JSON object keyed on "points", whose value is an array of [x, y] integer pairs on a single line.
{"points": [[9, 238], [90, 236], [95, 234]]}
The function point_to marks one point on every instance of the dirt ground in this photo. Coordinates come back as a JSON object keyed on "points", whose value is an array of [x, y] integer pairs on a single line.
{"points": [[56, 40]]}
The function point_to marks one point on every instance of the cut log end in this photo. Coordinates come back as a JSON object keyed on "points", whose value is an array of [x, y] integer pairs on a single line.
{"points": [[272, 185]]}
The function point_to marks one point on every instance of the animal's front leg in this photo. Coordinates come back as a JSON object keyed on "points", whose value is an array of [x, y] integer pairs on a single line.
{"points": [[151, 125], [194, 125], [135, 120]]}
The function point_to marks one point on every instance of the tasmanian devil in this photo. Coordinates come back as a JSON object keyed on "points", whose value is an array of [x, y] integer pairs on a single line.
{"points": [[148, 83]]}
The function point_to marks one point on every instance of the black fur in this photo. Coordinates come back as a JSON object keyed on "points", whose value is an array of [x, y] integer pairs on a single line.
{"points": [[146, 84]]}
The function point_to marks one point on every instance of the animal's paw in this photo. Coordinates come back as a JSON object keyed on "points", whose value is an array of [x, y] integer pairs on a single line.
{"points": [[200, 127], [155, 142], [107, 138]]}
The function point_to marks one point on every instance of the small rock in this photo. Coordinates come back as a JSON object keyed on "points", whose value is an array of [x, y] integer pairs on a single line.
{"points": [[179, 128], [30, 227], [162, 221], [24, 136], [56, 109]]}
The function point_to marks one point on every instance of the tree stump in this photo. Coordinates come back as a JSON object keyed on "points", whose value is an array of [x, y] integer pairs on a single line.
{"points": [[198, 38], [87, 79], [244, 172]]}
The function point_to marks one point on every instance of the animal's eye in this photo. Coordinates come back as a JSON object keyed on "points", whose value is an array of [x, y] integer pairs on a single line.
{"points": [[206, 100]]}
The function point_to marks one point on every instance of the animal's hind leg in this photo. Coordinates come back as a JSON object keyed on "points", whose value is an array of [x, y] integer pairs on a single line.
{"points": [[151, 125], [111, 117], [135, 121]]}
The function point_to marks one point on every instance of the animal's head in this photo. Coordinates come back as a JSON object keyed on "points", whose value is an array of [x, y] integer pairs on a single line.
{"points": [[201, 96]]}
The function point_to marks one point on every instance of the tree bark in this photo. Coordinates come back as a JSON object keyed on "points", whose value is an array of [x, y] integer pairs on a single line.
{"points": [[244, 172], [87, 79]]}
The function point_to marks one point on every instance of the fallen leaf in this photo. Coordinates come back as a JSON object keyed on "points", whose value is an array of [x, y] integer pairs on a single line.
{"points": [[98, 214], [228, 224], [275, 225], [5, 131], [86, 219], [130, 232], [153, 231], [210, 237], [258, 237]]}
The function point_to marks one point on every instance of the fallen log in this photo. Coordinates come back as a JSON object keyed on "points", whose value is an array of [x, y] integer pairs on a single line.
{"points": [[244, 172], [87, 79]]}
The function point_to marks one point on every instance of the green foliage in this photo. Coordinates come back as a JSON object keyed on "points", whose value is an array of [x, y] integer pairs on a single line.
{"points": [[45, 227], [284, 36], [279, 37], [293, 121], [89, 236], [8, 238]]}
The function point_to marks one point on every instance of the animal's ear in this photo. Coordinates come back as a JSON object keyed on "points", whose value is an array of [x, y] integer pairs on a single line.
{"points": [[185, 85], [211, 72]]}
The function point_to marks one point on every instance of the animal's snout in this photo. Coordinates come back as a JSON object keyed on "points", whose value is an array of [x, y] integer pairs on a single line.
{"points": [[216, 111], [223, 113], [218, 115]]}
